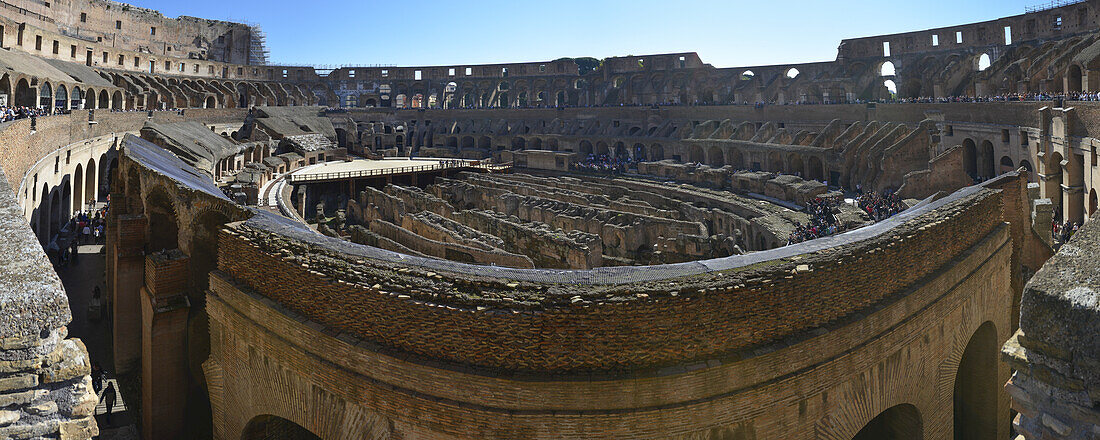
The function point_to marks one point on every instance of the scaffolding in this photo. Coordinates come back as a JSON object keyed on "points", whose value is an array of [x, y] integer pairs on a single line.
{"points": [[1055, 4], [257, 49]]}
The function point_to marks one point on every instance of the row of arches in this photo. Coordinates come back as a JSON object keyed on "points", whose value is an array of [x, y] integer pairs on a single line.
{"points": [[53, 205]]}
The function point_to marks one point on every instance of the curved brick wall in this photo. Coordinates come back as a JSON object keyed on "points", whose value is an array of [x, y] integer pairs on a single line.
{"points": [[545, 327]]}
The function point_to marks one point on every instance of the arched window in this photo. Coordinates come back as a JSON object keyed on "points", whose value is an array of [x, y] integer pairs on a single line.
{"points": [[891, 86], [984, 62], [887, 69], [747, 75], [792, 73]]}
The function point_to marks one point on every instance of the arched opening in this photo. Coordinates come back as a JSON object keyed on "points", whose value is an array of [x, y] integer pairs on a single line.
{"points": [[970, 158], [518, 143], [695, 154], [795, 165], [984, 62], [55, 212], [116, 100], [901, 422], [468, 143], [792, 73], [735, 158], [163, 225], [656, 152], [104, 100], [816, 169], [1026, 166], [620, 151], [1092, 202], [24, 96], [45, 96], [341, 138], [1073, 79], [268, 427], [61, 97], [776, 162], [90, 181], [891, 87], [1053, 184], [1006, 165], [484, 143], [585, 149], [715, 158], [90, 99], [976, 385], [747, 75], [78, 188], [887, 69], [985, 160], [66, 203], [44, 216], [559, 99], [602, 149], [640, 153], [211, 102], [77, 99]]}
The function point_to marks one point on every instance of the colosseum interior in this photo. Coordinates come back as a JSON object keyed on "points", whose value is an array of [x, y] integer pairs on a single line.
{"points": [[896, 244]]}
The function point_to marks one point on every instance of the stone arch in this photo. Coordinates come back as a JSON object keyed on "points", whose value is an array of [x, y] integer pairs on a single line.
{"points": [[536, 144], [970, 157], [210, 102], [1026, 166], [656, 152], [76, 99], [900, 422], [268, 427], [90, 181], [715, 158], [484, 143], [602, 149], [976, 385], [24, 96], [1006, 164], [1074, 79], [116, 100], [55, 213], [61, 97], [90, 99], [44, 216], [985, 160], [735, 158], [519, 143], [163, 228], [1053, 184], [468, 143], [640, 152], [65, 199], [585, 148], [620, 150], [45, 96], [695, 154], [78, 188], [1092, 202], [775, 161], [795, 165], [816, 170], [104, 100]]}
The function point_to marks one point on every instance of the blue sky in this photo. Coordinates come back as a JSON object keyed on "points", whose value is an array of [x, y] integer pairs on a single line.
{"points": [[725, 33]]}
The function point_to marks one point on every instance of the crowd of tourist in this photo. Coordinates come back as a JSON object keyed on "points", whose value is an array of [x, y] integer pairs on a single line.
{"points": [[20, 112], [604, 164], [1062, 232], [880, 206], [83, 228], [1003, 97], [823, 221]]}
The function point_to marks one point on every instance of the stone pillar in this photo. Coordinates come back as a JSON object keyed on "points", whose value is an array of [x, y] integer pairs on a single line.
{"points": [[1042, 213], [127, 278], [164, 375]]}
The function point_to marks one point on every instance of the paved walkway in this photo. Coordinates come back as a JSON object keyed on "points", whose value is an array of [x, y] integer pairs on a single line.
{"points": [[80, 278]]}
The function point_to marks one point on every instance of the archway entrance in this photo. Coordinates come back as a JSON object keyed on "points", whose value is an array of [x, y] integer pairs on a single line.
{"points": [[267, 427], [901, 422], [970, 158], [976, 387]]}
